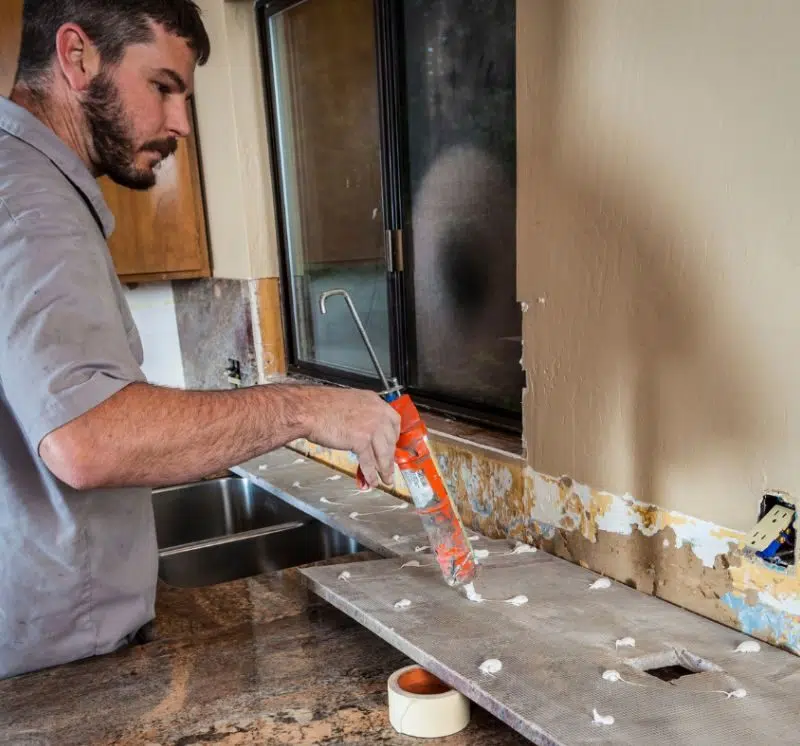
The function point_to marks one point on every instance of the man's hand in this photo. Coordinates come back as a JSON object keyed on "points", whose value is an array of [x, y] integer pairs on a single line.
{"points": [[357, 421]]}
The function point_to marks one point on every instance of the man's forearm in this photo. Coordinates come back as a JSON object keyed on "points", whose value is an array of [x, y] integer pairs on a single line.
{"points": [[151, 436]]}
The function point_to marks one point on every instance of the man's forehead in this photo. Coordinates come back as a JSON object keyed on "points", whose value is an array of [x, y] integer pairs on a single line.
{"points": [[168, 55]]}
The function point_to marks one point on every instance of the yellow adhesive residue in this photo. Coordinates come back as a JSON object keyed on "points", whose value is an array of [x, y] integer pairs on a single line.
{"points": [[755, 575], [649, 517]]}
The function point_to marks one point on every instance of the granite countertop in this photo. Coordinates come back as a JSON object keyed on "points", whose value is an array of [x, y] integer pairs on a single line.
{"points": [[255, 661]]}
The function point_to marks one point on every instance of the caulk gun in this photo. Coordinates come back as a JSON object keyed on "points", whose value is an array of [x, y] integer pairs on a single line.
{"points": [[418, 467]]}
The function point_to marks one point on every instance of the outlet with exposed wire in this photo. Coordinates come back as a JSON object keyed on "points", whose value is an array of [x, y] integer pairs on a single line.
{"points": [[774, 537]]}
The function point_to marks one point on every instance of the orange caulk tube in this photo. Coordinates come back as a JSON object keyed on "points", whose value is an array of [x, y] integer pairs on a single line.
{"points": [[439, 516]]}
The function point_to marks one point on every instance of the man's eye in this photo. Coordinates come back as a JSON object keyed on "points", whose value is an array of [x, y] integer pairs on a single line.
{"points": [[162, 89]]}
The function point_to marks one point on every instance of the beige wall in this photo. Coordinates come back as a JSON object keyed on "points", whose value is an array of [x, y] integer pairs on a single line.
{"points": [[232, 132], [659, 248]]}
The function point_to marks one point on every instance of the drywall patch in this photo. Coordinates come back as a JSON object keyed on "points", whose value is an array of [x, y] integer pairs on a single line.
{"points": [[765, 621], [571, 505], [707, 540], [786, 604]]}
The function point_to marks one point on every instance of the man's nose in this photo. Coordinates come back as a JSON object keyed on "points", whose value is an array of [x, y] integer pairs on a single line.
{"points": [[178, 120]]}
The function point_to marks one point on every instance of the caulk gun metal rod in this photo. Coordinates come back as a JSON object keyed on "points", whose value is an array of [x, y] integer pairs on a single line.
{"points": [[361, 330]]}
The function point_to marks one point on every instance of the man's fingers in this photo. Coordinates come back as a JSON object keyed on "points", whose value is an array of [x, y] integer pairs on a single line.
{"points": [[366, 460], [384, 446]]}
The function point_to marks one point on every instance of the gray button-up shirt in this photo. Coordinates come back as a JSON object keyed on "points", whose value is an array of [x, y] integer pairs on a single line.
{"points": [[77, 569]]}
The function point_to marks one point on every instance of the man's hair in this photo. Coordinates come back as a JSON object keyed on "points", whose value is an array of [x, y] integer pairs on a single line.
{"points": [[112, 25]]}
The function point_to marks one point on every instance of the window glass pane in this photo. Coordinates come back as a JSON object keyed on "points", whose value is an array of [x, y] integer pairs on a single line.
{"points": [[461, 134], [325, 90]]}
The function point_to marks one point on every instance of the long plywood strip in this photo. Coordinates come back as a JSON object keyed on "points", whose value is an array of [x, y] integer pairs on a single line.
{"points": [[555, 649]]}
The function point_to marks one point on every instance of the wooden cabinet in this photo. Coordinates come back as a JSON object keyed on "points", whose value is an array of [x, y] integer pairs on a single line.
{"points": [[10, 34], [161, 233]]}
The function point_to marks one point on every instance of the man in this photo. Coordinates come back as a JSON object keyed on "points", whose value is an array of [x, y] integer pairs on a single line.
{"points": [[101, 90]]}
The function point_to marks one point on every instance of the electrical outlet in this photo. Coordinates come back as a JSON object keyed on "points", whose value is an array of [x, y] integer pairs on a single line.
{"points": [[234, 372], [773, 538]]}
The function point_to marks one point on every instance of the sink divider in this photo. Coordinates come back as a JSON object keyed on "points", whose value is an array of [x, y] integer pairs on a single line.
{"points": [[216, 541]]}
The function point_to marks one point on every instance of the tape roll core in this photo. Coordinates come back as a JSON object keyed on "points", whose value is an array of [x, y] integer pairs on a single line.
{"points": [[422, 705]]}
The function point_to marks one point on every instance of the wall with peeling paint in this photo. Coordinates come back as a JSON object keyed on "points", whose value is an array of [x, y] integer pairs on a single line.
{"points": [[658, 167]]}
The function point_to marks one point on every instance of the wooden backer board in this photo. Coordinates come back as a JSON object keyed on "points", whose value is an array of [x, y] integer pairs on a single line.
{"points": [[555, 649]]}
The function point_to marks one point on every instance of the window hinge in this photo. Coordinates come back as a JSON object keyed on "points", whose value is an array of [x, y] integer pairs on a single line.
{"points": [[394, 240]]}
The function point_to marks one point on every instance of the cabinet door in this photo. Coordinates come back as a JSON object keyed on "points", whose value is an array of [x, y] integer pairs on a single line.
{"points": [[161, 233], [10, 36]]}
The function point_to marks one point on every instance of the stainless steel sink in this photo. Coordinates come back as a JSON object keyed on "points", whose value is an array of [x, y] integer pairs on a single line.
{"points": [[224, 529]]}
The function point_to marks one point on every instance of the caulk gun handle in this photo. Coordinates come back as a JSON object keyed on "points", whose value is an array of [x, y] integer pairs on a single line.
{"points": [[361, 481]]}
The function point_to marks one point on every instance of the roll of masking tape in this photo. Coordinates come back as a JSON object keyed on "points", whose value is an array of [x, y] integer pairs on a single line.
{"points": [[422, 705]]}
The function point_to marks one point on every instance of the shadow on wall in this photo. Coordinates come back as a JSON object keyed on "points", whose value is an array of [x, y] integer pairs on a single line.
{"points": [[634, 385]]}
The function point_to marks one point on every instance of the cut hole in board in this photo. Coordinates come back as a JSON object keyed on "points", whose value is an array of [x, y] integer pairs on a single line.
{"points": [[672, 664], [670, 673]]}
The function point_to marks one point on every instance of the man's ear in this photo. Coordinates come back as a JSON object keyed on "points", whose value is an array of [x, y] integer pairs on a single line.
{"points": [[78, 58]]}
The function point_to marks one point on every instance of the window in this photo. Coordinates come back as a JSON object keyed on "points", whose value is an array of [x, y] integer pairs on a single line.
{"points": [[393, 128]]}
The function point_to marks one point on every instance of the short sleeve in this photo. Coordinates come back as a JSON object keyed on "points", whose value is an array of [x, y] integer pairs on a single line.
{"points": [[64, 345]]}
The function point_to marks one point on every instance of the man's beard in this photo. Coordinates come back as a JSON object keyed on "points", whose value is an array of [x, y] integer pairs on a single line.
{"points": [[114, 149]]}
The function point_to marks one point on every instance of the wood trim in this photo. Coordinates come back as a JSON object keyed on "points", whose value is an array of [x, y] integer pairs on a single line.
{"points": [[10, 35], [195, 160], [195, 274], [270, 319]]}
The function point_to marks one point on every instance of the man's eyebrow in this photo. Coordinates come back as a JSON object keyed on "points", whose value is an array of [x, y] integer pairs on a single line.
{"points": [[179, 82]]}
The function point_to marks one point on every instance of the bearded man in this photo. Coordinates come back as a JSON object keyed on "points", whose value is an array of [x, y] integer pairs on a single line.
{"points": [[102, 89]]}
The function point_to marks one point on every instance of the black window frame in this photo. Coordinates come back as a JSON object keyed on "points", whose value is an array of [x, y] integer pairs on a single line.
{"points": [[396, 195]]}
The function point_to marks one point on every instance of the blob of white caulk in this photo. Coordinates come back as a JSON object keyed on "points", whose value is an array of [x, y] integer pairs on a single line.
{"points": [[491, 666], [334, 478], [612, 675], [263, 467], [474, 538], [517, 600], [344, 575], [297, 485], [481, 553], [602, 719], [390, 509], [736, 694], [600, 584], [411, 563], [472, 594], [397, 537], [748, 646], [403, 603], [625, 642], [421, 549], [522, 548], [298, 461]]}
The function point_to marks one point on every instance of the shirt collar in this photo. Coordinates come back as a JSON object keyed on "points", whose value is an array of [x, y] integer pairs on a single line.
{"points": [[20, 123]]}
